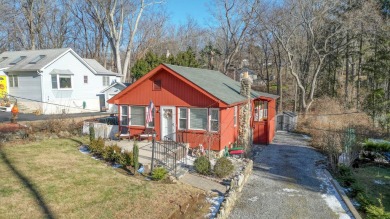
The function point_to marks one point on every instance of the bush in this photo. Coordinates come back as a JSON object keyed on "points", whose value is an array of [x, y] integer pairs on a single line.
{"points": [[223, 167], [135, 156], [127, 159], [107, 153], [91, 133], [377, 146], [97, 147], [377, 212], [116, 153], [202, 165], [159, 174]]}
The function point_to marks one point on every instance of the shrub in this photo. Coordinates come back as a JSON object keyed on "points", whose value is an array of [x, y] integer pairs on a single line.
{"points": [[345, 175], [377, 212], [135, 156], [377, 146], [159, 173], [127, 159], [91, 133], [116, 154], [202, 165], [106, 153], [97, 147], [223, 167]]}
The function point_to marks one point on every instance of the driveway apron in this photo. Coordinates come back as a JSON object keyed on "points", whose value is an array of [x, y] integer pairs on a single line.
{"points": [[288, 181]]}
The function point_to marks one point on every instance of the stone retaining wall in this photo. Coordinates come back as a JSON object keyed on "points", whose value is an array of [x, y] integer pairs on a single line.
{"points": [[236, 185]]}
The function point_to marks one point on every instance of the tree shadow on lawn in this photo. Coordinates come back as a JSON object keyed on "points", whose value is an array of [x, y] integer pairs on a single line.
{"points": [[23, 179]]}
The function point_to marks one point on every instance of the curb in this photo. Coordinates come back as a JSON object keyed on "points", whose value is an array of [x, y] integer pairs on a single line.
{"points": [[342, 194]]}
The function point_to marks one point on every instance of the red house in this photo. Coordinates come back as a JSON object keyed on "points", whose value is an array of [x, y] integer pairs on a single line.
{"points": [[195, 106]]}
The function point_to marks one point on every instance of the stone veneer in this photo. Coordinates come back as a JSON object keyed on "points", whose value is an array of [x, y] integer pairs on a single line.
{"points": [[236, 185]]}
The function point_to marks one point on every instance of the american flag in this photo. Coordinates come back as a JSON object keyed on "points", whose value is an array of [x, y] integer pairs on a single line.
{"points": [[149, 116]]}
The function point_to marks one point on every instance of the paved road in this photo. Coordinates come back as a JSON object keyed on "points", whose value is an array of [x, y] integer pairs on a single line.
{"points": [[288, 181], [23, 117]]}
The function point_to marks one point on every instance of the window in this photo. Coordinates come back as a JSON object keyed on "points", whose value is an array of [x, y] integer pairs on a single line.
{"points": [[37, 59], [214, 120], [85, 79], [198, 118], [137, 115], [20, 58], [261, 110], [124, 115], [61, 81], [157, 85], [106, 80], [150, 124], [183, 118], [13, 81], [54, 83], [235, 116]]}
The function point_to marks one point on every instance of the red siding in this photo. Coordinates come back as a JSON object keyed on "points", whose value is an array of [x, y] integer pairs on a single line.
{"points": [[229, 132]]}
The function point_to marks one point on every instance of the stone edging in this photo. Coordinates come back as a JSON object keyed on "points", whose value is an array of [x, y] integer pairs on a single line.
{"points": [[236, 185], [342, 194]]}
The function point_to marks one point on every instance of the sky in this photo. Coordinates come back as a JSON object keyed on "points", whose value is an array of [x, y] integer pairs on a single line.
{"points": [[179, 10]]}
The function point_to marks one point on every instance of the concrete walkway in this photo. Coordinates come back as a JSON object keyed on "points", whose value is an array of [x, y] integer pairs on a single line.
{"points": [[288, 181], [145, 149], [203, 183]]}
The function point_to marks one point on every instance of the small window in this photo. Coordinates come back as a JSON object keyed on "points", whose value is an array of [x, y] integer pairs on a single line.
{"points": [[214, 120], [85, 79], [235, 116], [106, 80], [37, 59], [183, 118], [157, 85], [137, 115], [261, 110], [54, 84], [198, 118], [13, 81], [17, 60], [124, 115]]}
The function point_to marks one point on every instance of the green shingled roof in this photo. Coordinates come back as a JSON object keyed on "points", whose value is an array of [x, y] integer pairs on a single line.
{"points": [[216, 83]]}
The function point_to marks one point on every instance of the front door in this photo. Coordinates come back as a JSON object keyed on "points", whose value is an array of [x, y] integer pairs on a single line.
{"points": [[168, 122]]}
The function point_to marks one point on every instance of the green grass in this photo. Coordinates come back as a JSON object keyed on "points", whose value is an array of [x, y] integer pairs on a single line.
{"points": [[52, 178], [367, 175]]}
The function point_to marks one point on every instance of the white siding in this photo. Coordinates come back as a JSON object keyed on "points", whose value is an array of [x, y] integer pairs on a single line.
{"points": [[71, 101]]}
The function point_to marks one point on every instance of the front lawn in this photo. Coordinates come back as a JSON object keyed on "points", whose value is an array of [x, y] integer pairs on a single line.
{"points": [[375, 182], [53, 179]]}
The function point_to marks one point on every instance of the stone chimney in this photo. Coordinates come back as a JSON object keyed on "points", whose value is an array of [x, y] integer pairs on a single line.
{"points": [[246, 84]]}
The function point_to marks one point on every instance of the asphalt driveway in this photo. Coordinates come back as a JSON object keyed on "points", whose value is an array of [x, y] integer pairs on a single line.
{"points": [[288, 181]]}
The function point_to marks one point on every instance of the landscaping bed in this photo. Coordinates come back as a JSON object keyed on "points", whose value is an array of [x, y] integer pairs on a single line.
{"points": [[51, 178]]}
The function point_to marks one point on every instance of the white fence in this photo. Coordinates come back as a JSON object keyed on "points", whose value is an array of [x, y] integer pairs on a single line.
{"points": [[101, 130]]}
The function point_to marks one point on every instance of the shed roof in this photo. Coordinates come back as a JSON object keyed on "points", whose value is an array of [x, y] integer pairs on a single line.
{"points": [[216, 83]]}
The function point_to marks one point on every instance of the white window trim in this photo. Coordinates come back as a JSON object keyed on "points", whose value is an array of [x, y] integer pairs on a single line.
{"points": [[128, 115], [58, 82], [144, 125], [12, 77], [209, 119], [108, 80], [187, 120]]}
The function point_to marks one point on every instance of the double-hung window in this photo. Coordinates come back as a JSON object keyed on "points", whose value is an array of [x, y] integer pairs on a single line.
{"points": [[13, 81], [198, 118], [124, 115], [183, 117], [137, 115], [214, 120], [106, 80], [61, 81]]}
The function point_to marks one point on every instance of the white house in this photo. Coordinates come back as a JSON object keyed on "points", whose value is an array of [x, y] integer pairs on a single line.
{"points": [[55, 81]]}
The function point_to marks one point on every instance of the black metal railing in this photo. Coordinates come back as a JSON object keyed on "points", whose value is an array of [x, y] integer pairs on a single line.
{"points": [[170, 154]]}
